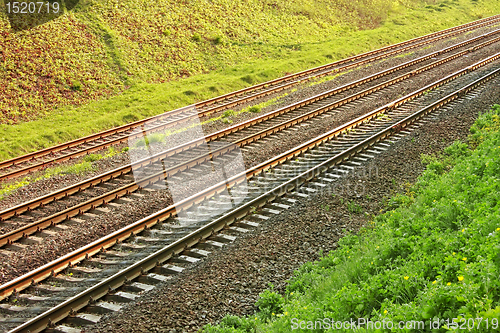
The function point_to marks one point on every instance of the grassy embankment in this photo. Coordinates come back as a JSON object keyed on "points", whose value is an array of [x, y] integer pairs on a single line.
{"points": [[139, 59], [435, 254]]}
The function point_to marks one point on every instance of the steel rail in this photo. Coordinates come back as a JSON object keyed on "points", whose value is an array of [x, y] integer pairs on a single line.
{"points": [[31, 156], [78, 209], [141, 267], [76, 256], [91, 204]]}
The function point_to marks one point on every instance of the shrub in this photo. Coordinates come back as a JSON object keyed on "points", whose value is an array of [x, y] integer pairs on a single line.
{"points": [[457, 150], [399, 200], [156, 137], [232, 324]]}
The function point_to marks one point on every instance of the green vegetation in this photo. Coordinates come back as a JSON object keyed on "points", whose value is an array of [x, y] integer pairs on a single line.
{"points": [[328, 78], [254, 109], [436, 254], [353, 207], [227, 113], [78, 168], [139, 59], [160, 137]]}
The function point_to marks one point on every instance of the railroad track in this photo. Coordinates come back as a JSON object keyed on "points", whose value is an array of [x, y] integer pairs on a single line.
{"points": [[41, 159], [98, 278], [191, 156]]}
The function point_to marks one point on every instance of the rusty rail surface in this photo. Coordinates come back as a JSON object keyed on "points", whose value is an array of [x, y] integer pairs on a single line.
{"points": [[365, 58], [143, 266], [78, 209], [76, 256]]}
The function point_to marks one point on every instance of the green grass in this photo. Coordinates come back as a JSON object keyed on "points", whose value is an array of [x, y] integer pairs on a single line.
{"points": [[80, 168], [353, 207], [434, 255], [101, 48], [327, 78], [225, 118], [53, 72]]}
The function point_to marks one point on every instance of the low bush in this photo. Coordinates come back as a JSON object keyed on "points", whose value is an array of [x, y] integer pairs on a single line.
{"points": [[232, 324]]}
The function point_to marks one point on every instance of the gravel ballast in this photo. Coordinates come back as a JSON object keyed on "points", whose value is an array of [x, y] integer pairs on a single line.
{"points": [[229, 280], [303, 91], [76, 235]]}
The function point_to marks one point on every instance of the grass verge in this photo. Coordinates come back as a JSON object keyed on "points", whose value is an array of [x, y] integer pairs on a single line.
{"points": [[433, 257], [241, 61]]}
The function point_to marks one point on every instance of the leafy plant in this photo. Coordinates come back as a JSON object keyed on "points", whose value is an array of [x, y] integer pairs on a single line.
{"points": [[232, 324], [353, 207], [270, 304]]}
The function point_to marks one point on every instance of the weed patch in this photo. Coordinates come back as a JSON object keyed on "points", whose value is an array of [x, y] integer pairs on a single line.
{"points": [[78, 168], [254, 109]]}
